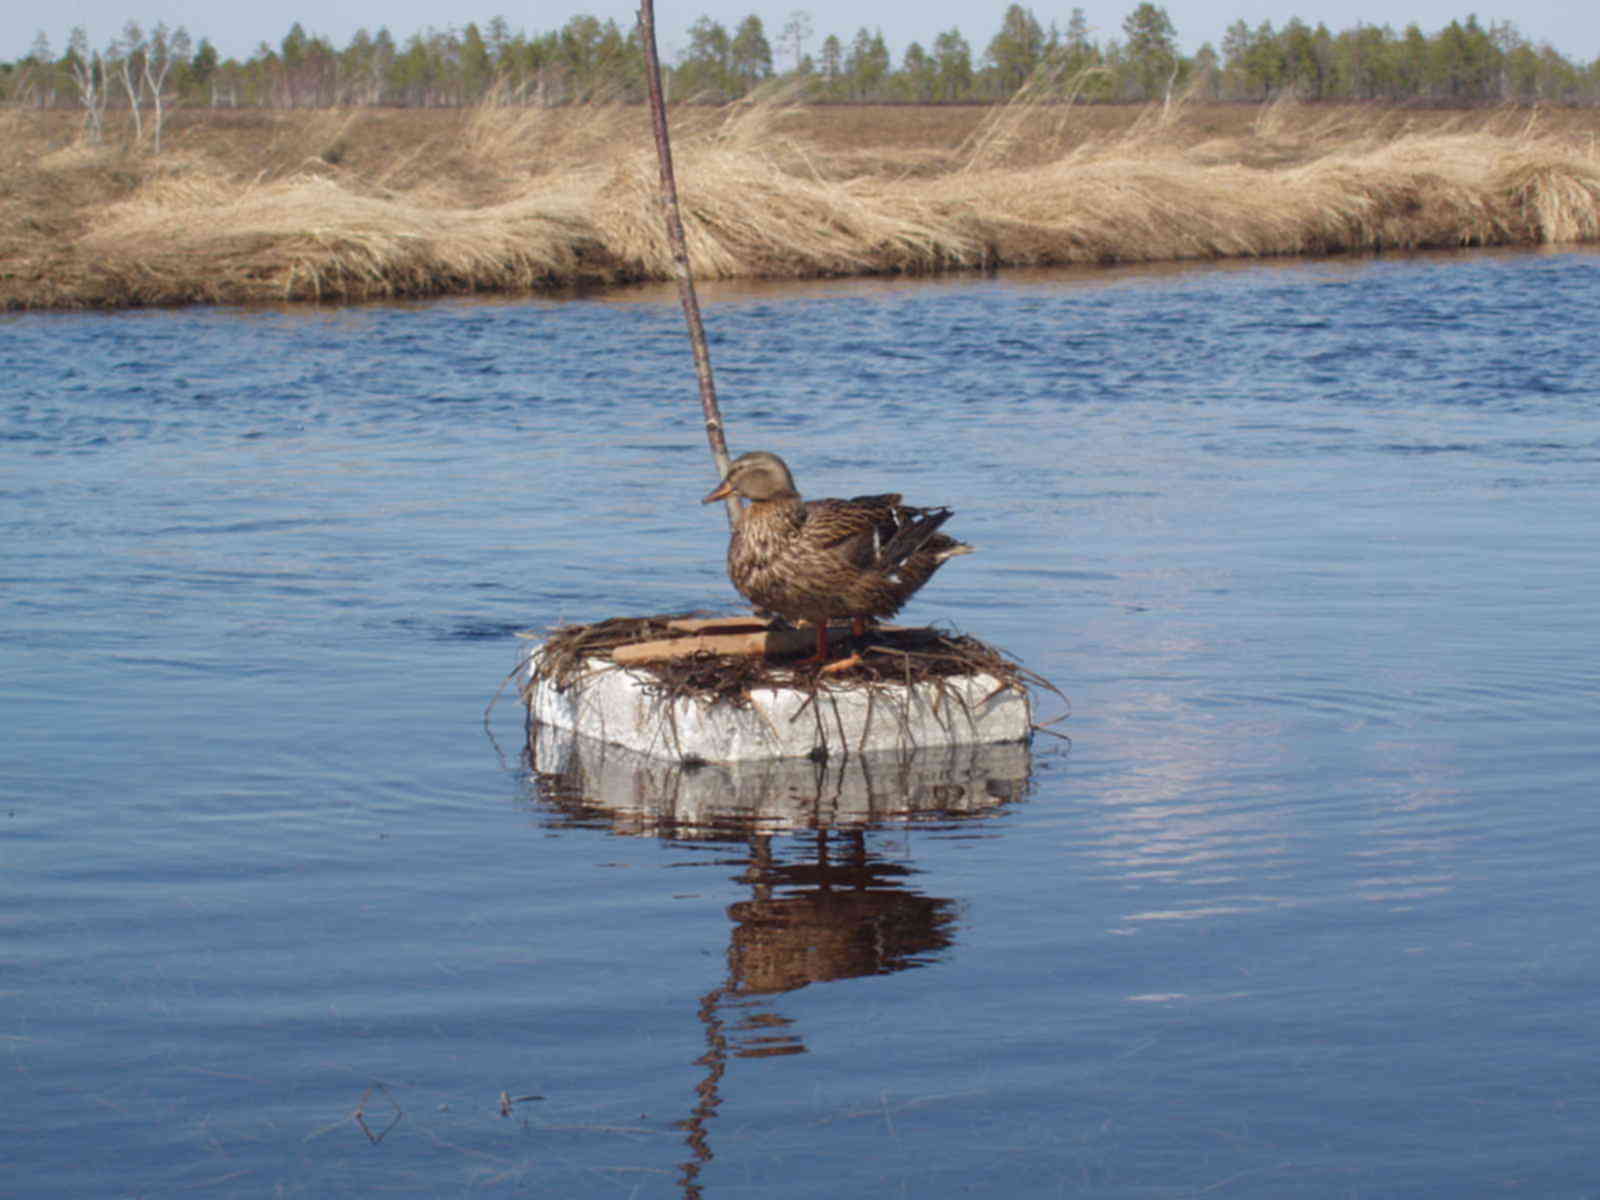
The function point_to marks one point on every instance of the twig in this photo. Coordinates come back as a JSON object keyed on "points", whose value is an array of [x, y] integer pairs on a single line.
{"points": [[361, 1114], [508, 1101], [680, 251]]}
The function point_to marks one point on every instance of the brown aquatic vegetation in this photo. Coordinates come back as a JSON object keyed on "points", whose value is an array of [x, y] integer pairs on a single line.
{"points": [[364, 204]]}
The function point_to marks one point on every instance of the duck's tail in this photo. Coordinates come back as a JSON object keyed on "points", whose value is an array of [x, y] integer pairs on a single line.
{"points": [[940, 551]]}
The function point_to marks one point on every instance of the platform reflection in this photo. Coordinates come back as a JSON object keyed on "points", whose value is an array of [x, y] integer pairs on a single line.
{"points": [[820, 902]]}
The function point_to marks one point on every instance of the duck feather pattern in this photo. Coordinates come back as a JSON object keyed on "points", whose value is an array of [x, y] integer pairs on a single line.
{"points": [[822, 559]]}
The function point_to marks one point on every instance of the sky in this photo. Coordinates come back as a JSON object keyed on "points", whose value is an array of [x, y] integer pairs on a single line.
{"points": [[235, 29]]}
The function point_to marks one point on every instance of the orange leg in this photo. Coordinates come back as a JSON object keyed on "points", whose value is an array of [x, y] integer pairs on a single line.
{"points": [[821, 656], [858, 627]]}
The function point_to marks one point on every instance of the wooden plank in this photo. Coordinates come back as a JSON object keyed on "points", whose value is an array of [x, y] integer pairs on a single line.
{"points": [[769, 643], [735, 636], [731, 624], [747, 621]]}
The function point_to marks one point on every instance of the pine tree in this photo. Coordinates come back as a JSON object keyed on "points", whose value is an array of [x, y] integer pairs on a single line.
{"points": [[1016, 50], [750, 55], [1151, 50]]}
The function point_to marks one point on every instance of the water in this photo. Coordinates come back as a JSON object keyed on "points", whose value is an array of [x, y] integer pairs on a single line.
{"points": [[1305, 908]]}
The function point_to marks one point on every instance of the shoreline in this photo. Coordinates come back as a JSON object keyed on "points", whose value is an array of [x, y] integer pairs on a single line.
{"points": [[251, 206]]}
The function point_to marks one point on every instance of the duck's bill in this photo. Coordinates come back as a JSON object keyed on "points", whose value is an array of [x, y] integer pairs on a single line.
{"points": [[721, 492]]}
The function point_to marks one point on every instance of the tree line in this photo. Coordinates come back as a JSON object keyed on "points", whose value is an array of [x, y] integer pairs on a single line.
{"points": [[148, 71]]}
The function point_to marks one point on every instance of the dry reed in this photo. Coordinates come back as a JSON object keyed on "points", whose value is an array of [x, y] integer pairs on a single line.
{"points": [[365, 204]]}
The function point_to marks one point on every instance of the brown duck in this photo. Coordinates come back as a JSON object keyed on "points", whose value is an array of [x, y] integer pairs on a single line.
{"points": [[820, 559]]}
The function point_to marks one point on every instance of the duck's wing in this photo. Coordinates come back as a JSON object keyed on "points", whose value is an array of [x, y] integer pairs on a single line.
{"points": [[852, 529], [871, 533]]}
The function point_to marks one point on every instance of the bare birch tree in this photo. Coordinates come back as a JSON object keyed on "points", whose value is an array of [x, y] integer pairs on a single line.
{"points": [[88, 73], [165, 49], [126, 56]]}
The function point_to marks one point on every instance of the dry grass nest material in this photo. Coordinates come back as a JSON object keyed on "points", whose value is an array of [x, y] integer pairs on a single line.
{"points": [[889, 658]]}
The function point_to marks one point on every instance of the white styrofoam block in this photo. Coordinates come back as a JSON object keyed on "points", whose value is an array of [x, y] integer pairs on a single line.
{"points": [[616, 705], [645, 794]]}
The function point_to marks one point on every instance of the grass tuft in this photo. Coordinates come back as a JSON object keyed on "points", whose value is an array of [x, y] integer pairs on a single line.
{"points": [[363, 204]]}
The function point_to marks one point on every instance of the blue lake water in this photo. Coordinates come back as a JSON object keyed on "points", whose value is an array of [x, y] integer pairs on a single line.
{"points": [[1306, 907]]}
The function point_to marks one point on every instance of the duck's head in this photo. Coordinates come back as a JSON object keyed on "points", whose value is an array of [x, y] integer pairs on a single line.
{"points": [[755, 476]]}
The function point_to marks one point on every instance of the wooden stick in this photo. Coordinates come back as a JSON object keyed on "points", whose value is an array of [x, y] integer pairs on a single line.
{"points": [[774, 643], [680, 251], [735, 624], [735, 636]]}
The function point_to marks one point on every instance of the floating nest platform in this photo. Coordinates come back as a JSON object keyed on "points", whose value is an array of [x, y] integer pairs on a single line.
{"points": [[703, 689]]}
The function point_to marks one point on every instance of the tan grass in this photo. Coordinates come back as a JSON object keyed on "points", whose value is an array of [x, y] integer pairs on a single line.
{"points": [[1552, 198], [1039, 118], [322, 139], [308, 237], [365, 204], [755, 203], [1414, 192], [520, 140]]}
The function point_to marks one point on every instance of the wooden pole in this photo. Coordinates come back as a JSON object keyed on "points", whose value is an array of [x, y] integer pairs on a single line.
{"points": [[680, 251]]}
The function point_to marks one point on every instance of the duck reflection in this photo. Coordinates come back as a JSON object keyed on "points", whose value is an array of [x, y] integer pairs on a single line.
{"points": [[821, 905], [834, 915]]}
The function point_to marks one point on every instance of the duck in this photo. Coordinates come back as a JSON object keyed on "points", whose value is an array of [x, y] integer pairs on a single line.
{"points": [[817, 560]]}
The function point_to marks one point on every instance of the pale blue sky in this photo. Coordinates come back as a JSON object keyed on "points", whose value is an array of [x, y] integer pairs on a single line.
{"points": [[235, 29]]}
